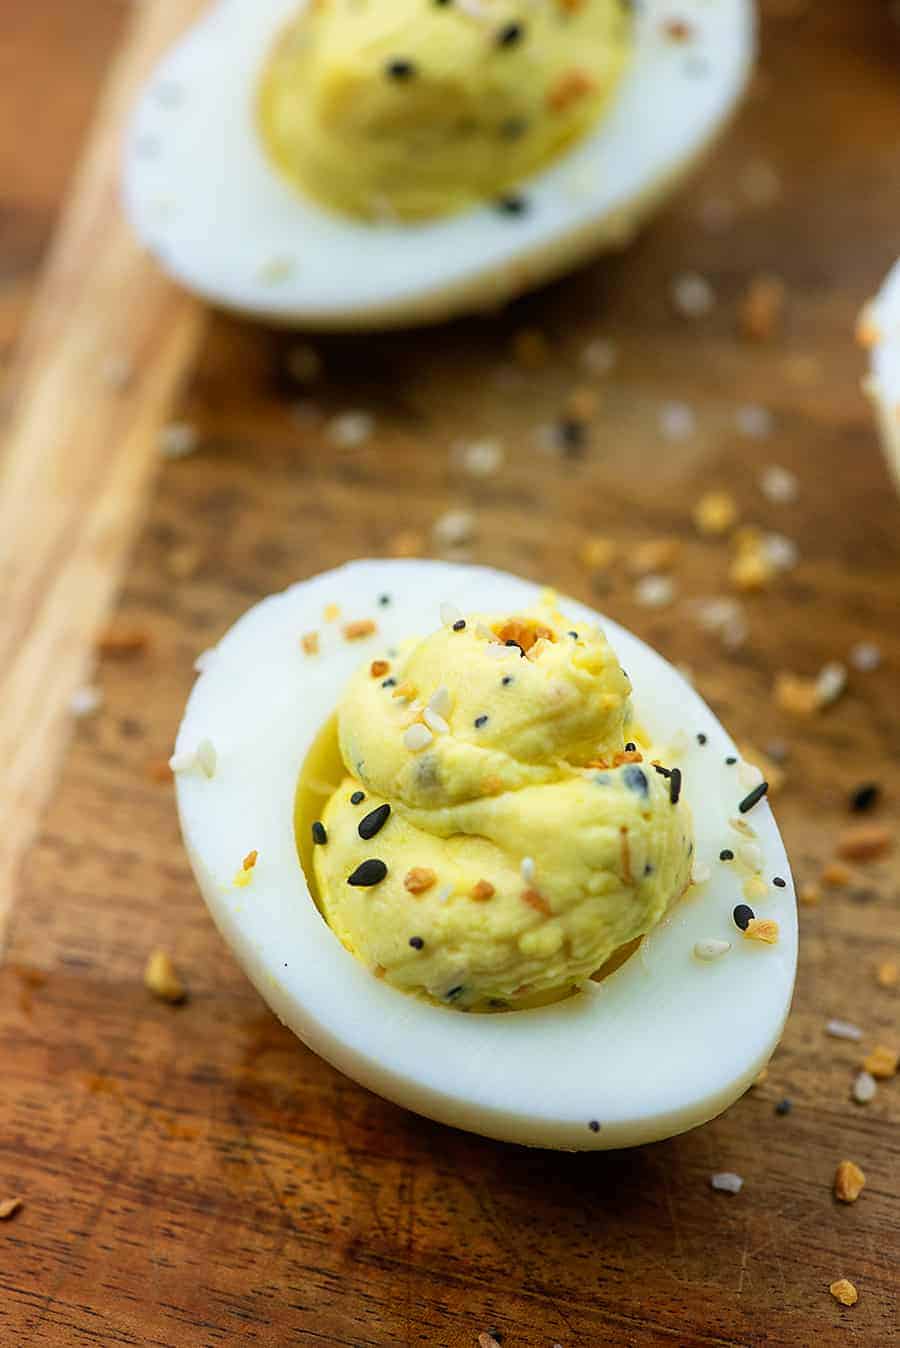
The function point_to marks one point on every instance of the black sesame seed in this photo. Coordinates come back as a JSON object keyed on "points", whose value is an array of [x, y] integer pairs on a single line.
{"points": [[389, 682], [373, 822], [865, 797], [731, 762], [743, 915], [701, 738], [513, 128], [384, 600], [319, 832], [506, 680], [753, 797], [510, 204], [416, 942], [454, 992], [675, 785], [459, 625], [480, 721], [573, 635], [648, 869], [779, 883], [784, 1107], [663, 772], [399, 69], [726, 854], [630, 747], [510, 34], [594, 1126], [357, 798], [368, 873], [516, 644], [636, 780]]}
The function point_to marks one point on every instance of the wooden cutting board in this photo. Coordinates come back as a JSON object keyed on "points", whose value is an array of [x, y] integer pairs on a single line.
{"points": [[194, 1176]]}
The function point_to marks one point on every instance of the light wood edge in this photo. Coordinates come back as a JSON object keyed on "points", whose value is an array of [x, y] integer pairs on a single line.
{"points": [[81, 453]]}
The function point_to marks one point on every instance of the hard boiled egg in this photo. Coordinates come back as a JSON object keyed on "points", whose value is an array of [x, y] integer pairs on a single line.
{"points": [[664, 1042], [204, 196], [879, 329]]}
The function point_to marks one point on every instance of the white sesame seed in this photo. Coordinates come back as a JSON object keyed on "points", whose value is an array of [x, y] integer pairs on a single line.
{"points": [[750, 854], [843, 1029], [676, 421], [450, 614], [178, 439], [527, 870], [692, 295], [831, 682], [700, 873], [183, 761], [654, 591], [865, 656], [207, 757], [454, 528], [436, 722], [599, 356], [779, 485], [440, 702], [741, 825], [710, 949], [303, 363], [864, 1088], [85, 701], [349, 430], [754, 421], [727, 1182], [417, 737]]}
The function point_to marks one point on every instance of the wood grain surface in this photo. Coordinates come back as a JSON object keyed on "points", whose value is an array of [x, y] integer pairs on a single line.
{"points": [[192, 1175]]}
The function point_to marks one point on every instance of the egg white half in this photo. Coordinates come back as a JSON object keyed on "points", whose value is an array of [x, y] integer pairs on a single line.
{"points": [[883, 315], [204, 198], [663, 1044]]}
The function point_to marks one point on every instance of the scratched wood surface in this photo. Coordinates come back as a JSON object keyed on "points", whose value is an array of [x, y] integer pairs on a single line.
{"points": [[193, 1175]]}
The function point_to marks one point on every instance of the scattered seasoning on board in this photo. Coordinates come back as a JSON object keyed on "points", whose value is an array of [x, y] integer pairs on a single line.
{"points": [[783, 1107], [9, 1207], [865, 797], [727, 1182], [882, 1062], [844, 1292], [161, 979]]}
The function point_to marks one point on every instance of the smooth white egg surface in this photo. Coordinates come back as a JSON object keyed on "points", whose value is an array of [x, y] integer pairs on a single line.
{"points": [[667, 1041], [203, 196], [880, 327]]}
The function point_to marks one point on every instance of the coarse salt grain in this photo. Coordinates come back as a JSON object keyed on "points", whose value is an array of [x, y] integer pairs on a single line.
{"points": [[864, 1088], [349, 430], [599, 356], [417, 737], [843, 1029], [727, 1182], [481, 458], [779, 551], [654, 591], [831, 682], [778, 485], [865, 656], [178, 439], [454, 528], [710, 949], [676, 421], [754, 421], [450, 614], [692, 295], [85, 701]]}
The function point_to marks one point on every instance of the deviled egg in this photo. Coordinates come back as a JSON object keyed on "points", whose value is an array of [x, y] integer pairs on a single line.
{"points": [[399, 161], [879, 330], [479, 867]]}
